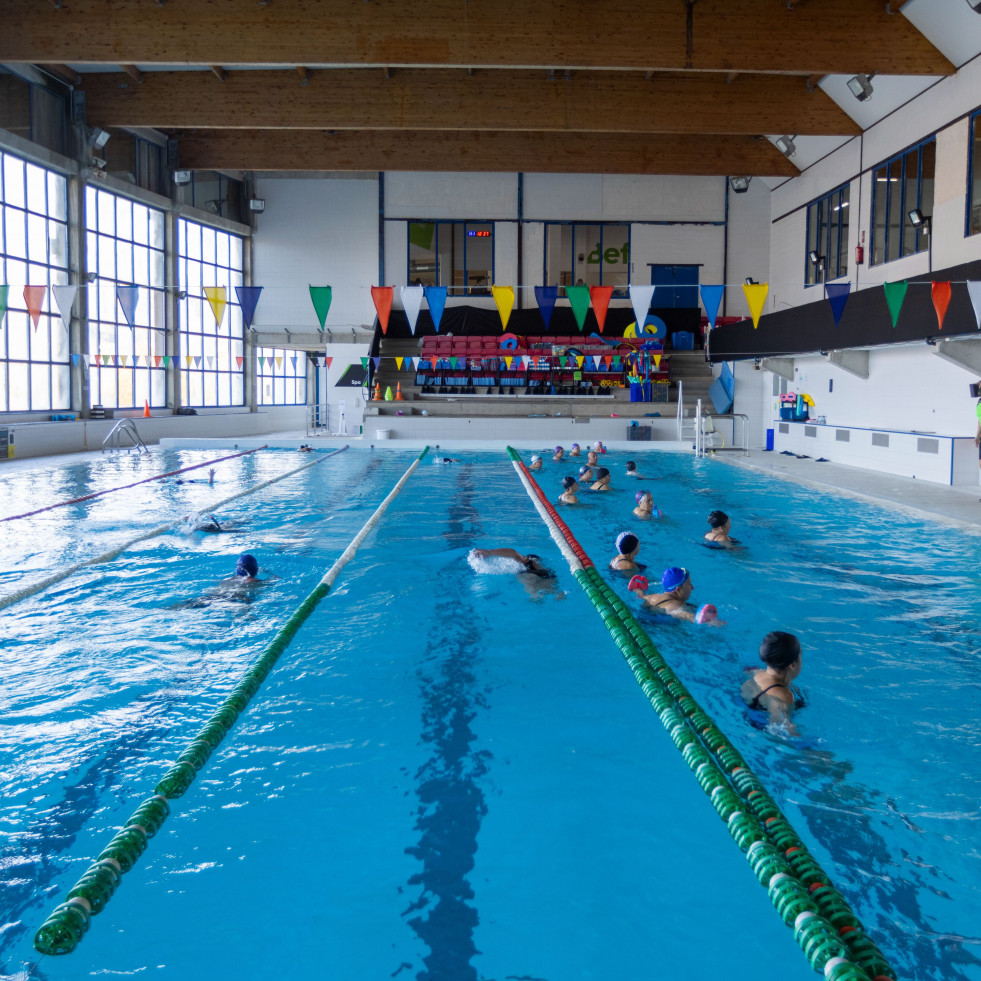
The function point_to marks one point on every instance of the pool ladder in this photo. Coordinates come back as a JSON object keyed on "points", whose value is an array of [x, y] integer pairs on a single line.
{"points": [[128, 428]]}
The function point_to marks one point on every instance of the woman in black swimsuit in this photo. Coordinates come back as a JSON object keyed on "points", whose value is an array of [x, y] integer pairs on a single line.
{"points": [[769, 690]]}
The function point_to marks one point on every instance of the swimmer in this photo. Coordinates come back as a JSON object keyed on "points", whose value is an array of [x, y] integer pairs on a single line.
{"points": [[443, 461], [536, 462], [646, 508], [239, 588], [532, 563], [570, 486], [599, 447], [770, 690], [676, 586], [585, 474], [719, 535], [575, 451], [602, 480], [191, 480], [305, 448], [536, 579], [591, 458], [210, 523], [559, 453], [632, 471], [628, 545]]}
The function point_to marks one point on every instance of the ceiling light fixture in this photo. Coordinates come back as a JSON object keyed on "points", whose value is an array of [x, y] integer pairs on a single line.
{"points": [[786, 145], [739, 185], [860, 86]]}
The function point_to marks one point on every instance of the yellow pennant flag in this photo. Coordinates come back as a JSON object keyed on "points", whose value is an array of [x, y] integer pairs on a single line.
{"points": [[279, 361], [122, 358], [217, 297], [504, 298], [657, 361], [756, 297], [399, 362], [579, 360], [189, 359], [508, 361]]}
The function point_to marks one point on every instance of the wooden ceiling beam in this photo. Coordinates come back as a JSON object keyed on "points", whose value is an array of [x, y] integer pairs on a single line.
{"points": [[63, 72], [289, 150], [133, 72], [448, 99], [833, 36], [218, 72]]}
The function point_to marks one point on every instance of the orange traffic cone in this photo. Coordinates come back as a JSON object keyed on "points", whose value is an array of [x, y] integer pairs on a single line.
{"points": [[146, 409], [398, 393], [378, 392]]}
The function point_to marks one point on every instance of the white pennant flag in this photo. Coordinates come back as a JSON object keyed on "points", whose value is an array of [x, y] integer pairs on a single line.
{"points": [[640, 299], [412, 303], [974, 291], [65, 298]]}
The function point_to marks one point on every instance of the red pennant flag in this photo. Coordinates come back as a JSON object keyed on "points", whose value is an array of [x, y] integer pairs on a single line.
{"points": [[328, 361], [941, 300], [34, 298], [608, 358], [239, 361], [381, 296], [600, 298]]}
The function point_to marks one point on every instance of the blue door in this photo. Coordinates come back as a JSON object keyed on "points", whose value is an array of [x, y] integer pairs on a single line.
{"points": [[677, 286]]}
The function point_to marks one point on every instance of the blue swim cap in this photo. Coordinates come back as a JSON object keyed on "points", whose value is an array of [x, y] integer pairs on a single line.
{"points": [[673, 578], [246, 565]]}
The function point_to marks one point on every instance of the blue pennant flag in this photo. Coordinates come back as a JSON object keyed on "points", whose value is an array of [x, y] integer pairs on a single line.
{"points": [[711, 298], [545, 297], [248, 297], [837, 297], [377, 362], [436, 298], [128, 297]]}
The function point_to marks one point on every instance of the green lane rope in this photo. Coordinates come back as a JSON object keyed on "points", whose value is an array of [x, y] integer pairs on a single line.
{"points": [[42, 584], [827, 931], [63, 929]]}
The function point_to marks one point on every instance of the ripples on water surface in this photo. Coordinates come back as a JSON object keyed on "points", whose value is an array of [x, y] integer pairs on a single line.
{"points": [[446, 778]]}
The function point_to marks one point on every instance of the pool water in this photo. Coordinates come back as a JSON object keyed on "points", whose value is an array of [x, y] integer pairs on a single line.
{"points": [[448, 778]]}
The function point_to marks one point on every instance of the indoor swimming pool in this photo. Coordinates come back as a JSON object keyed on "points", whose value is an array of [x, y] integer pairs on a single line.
{"points": [[449, 775]]}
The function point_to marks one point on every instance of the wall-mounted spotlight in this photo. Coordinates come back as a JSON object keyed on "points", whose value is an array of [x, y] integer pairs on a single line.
{"points": [[98, 138], [786, 145], [740, 185], [860, 86], [918, 219], [257, 205], [182, 177], [816, 259], [751, 282]]}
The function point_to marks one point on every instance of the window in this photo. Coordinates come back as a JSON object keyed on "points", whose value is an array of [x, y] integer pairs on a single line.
{"points": [[34, 363], [36, 113], [456, 254], [221, 195], [281, 376], [589, 255], [125, 247], [974, 176], [215, 373], [131, 158], [827, 235], [898, 186]]}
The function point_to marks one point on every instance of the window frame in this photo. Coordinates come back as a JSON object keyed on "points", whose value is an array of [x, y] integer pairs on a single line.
{"points": [[466, 290], [283, 377], [618, 291], [973, 166], [814, 212], [922, 235]]}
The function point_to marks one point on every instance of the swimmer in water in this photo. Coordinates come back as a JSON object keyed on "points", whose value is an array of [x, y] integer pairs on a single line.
{"points": [[444, 460], [210, 523], [559, 453], [646, 508], [632, 471], [628, 545], [592, 458], [536, 462], [575, 451], [585, 475], [191, 480], [599, 447], [676, 586], [568, 495], [769, 690], [239, 588], [536, 579], [305, 448], [720, 525], [602, 480]]}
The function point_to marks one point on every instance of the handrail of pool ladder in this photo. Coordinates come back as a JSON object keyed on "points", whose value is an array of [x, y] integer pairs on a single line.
{"points": [[826, 929], [67, 923], [42, 584]]}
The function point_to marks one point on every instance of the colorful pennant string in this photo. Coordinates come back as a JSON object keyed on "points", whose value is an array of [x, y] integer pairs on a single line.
{"points": [[34, 298]]}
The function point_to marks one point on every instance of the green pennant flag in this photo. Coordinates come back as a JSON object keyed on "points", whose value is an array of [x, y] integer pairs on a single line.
{"points": [[895, 294], [321, 302], [166, 360], [4, 290], [453, 362], [563, 361], [364, 364], [579, 299]]}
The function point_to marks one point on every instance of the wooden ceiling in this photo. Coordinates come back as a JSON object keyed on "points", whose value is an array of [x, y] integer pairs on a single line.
{"points": [[667, 86]]}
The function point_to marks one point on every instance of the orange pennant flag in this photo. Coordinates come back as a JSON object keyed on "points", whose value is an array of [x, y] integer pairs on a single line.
{"points": [[34, 298], [940, 292], [381, 296], [600, 298], [328, 361]]}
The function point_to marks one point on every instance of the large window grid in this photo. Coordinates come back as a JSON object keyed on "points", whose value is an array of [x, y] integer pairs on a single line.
{"points": [[124, 244], [974, 176], [281, 376], [456, 254], [899, 186], [827, 236], [34, 363], [208, 257], [587, 255]]}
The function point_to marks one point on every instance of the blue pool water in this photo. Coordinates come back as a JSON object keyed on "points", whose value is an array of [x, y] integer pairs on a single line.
{"points": [[445, 778]]}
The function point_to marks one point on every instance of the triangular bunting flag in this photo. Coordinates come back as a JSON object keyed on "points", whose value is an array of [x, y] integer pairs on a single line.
{"points": [[4, 290], [579, 360], [209, 361], [504, 298], [279, 361], [167, 359], [381, 296], [711, 299], [579, 299], [248, 298], [895, 294], [563, 361], [217, 297], [600, 296], [122, 360], [657, 361], [239, 361], [837, 297], [436, 298], [321, 296], [64, 297], [197, 361], [453, 362], [156, 360], [608, 360], [262, 360], [508, 361], [940, 294], [34, 298], [412, 304], [545, 297], [756, 297], [328, 361], [399, 362], [364, 363], [74, 359], [293, 362], [974, 292], [640, 299], [106, 358], [127, 297]]}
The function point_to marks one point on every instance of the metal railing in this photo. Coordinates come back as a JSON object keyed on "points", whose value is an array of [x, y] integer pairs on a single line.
{"points": [[114, 437], [318, 419], [706, 431]]}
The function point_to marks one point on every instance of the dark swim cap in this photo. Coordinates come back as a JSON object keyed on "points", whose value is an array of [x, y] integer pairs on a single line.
{"points": [[246, 566], [567, 482], [717, 519], [601, 473], [631, 465], [779, 649], [627, 542]]}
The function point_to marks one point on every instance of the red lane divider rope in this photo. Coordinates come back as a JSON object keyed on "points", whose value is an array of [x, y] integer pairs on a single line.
{"points": [[146, 480]]}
